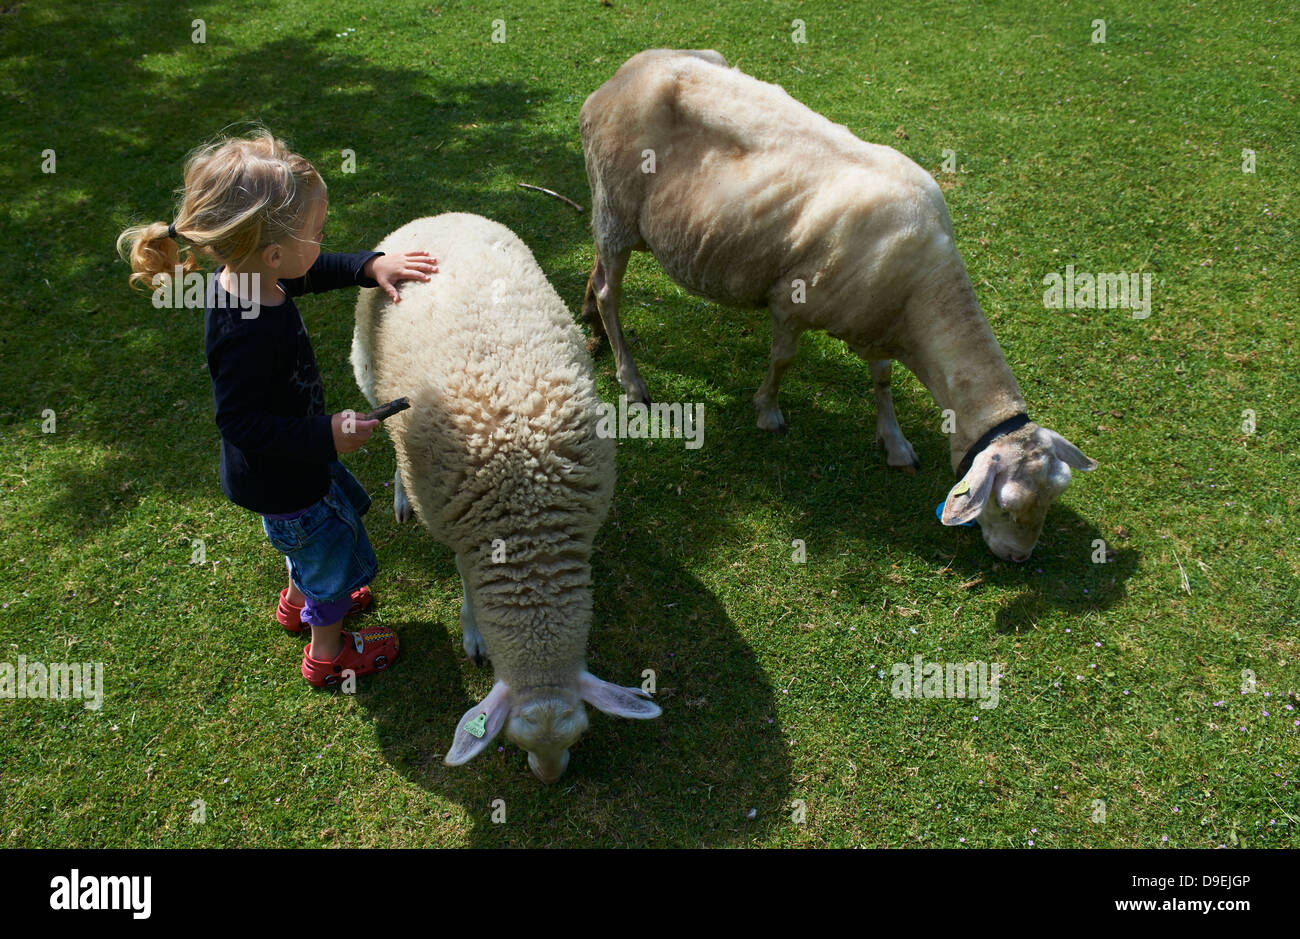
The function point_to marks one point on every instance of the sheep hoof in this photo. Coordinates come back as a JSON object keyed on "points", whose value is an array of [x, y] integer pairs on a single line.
{"points": [[638, 393], [478, 655], [772, 420], [909, 468], [473, 643], [902, 458]]}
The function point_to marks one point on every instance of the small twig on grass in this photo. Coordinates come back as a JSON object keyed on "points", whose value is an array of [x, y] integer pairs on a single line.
{"points": [[1045, 687], [551, 192], [1182, 573], [1290, 817]]}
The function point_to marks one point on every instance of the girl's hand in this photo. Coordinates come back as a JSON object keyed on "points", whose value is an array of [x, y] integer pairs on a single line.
{"points": [[390, 269], [351, 431]]}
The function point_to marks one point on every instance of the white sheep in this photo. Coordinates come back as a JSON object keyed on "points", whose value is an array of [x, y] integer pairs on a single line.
{"points": [[499, 457], [748, 198]]}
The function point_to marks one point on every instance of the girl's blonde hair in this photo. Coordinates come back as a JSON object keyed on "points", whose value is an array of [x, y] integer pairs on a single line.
{"points": [[241, 194]]}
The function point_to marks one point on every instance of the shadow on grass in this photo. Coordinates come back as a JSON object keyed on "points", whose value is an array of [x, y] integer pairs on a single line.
{"points": [[684, 779], [106, 361]]}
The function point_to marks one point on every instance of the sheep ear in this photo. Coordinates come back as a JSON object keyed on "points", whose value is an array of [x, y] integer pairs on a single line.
{"points": [[966, 499], [1069, 453], [616, 701], [489, 716]]}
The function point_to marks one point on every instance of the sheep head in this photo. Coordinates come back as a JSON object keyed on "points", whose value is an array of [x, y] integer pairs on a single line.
{"points": [[545, 721], [1010, 486]]}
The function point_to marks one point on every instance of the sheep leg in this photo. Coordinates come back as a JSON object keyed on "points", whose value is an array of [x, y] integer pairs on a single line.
{"points": [[897, 448], [785, 343], [401, 507], [591, 307], [473, 642], [607, 279]]}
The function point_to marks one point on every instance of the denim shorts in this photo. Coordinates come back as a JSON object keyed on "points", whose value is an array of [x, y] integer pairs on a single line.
{"points": [[328, 552]]}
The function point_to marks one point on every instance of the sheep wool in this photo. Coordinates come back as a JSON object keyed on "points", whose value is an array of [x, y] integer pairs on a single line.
{"points": [[500, 458]]}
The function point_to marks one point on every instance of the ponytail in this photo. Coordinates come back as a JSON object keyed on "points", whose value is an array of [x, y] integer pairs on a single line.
{"points": [[151, 251]]}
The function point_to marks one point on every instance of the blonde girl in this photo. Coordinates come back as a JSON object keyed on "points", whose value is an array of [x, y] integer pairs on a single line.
{"points": [[258, 211]]}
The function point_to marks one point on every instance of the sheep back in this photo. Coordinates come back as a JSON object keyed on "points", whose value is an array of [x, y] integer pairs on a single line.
{"points": [[499, 446]]}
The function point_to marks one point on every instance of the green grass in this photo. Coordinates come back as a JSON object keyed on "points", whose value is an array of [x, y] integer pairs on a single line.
{"points": [[774, 677]]}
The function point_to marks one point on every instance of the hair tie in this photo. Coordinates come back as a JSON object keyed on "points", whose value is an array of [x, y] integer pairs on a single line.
{"points": [[171, 231]]}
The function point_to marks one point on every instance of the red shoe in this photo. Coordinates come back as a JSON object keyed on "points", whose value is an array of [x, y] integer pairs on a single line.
{"points": [[290, 616], [367, 650]]}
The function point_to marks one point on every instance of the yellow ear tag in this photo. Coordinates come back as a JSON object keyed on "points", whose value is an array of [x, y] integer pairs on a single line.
{"points": [[478, 726], [961, 488]]}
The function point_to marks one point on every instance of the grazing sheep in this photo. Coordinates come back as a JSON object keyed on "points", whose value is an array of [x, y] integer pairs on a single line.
{"points": [[499, 457], [748, 198]]}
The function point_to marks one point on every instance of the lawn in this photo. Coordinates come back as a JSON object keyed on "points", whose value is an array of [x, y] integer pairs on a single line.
{"points": [[1149, 700]]}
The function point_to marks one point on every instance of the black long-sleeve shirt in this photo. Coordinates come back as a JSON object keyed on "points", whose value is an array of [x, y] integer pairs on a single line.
{"points": [[276, 441]]}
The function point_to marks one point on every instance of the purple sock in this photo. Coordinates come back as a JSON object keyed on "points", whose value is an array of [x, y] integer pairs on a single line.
{"points": [[316, 613]]}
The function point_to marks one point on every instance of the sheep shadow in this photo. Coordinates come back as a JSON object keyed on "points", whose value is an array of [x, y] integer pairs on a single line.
{"points": [[686, 779]]}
